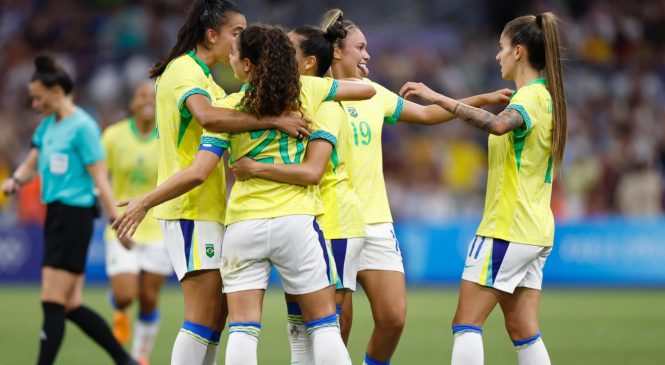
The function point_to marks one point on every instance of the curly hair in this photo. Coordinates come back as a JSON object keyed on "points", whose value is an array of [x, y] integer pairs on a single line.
{"points": [[274, 82]]}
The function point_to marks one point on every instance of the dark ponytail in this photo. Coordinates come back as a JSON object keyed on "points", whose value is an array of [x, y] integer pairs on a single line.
{"points": [[203, 15], [318, 43], [540, 35], [49, 73], [274, 84]]}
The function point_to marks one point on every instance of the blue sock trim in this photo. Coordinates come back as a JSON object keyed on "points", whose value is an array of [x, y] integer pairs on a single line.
{"points": [[247, 328], [293, 308], [527, 341], [205, 333], [467, 328], [325, 321], [216, 336], [151, 317], [338, 309], [370, 361]]}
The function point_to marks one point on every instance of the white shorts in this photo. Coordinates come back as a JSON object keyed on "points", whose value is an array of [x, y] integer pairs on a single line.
{"points": [[192, 245], [346, 254], [294, 244], [504, 265], [149, 257], [381, 249]]}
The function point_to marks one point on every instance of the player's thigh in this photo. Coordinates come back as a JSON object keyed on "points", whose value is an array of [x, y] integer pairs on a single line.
{"points": [[386, 291], [202, 291], [124, 287], [520, 311], [150, 286], [245, 306], [475, 303], [318, 304], [75, 299]]}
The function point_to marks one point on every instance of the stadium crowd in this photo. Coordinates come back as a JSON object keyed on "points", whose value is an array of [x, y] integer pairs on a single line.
{"points": [[615, 75]]}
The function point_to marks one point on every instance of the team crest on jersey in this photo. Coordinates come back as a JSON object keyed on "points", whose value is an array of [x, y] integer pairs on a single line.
{"points": [[352, 111], [210, 250]]}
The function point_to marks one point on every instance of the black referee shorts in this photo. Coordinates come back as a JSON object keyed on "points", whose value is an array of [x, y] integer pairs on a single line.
{"points": [[67, 234]]}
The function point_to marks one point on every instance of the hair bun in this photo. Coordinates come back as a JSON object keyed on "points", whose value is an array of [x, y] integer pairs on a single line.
{"points": [[335, 31], [45, 64]]}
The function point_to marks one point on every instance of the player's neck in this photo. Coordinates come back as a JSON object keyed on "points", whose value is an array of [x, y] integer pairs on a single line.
{"points": [[144, 127], [206, 56], [525, 75]]}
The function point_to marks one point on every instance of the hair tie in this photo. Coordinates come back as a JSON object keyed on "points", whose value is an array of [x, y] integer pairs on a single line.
{"points": [[539, 20]]}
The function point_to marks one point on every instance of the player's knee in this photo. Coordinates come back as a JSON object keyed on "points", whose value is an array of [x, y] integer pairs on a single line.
{"points": [[519, 329], [393, 320]]}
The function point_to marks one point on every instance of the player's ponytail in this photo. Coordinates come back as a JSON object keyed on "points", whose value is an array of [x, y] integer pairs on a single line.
{"points": [[50, 74], [315, 42], [203, 15], [333, 22], [549, 24], [539, 34], [274, 82]]}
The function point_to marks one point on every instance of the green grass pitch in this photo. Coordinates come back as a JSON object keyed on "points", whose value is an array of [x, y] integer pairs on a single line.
{"points": [[579, 327]]}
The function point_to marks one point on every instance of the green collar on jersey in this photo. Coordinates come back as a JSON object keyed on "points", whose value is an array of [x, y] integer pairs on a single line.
{"points": [[206, 69], [137, 134], [541, 81]]}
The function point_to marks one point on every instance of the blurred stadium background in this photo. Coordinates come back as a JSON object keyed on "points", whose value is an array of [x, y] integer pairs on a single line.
{"points": [[603, 290]]}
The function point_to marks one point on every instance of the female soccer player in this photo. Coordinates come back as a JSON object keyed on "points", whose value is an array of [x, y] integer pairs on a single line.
{"points": [[380, 269], [506, 258], [140, 270], [324, 163], [68, 154], [193, 228], [267, 58]]}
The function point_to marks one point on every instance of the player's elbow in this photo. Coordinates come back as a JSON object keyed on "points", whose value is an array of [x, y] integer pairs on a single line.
{"points": [[312, 178], [198, 176], [499, 129]]}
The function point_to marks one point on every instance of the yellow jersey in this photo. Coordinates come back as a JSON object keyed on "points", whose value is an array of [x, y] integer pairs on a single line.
{"points": [[365, 161], [519, 182], [179, 135], [342, 214], [132, 162], [257, 198]]}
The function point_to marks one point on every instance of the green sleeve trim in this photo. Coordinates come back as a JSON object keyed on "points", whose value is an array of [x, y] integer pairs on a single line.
{"points": [[215, 141], [333, 91], [324, 135], [191, 92], [525, 116], [398, 111]]}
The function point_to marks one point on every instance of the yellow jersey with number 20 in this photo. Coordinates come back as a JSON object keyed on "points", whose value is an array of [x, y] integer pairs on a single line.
{"points": [[257, 198]]}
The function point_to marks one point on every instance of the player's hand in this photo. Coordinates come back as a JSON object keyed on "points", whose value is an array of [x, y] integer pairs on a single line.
{"points": [[10, 186], [295, 124], [127, 242], [498, 97], [243, 169], [420, 90], [125, 225]]}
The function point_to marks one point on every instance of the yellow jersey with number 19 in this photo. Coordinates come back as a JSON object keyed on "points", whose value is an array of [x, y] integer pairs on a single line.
{"points": [[132, 162], [179, 135], [519, 183], [257, 198], [365, 162], [342, 214]]}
